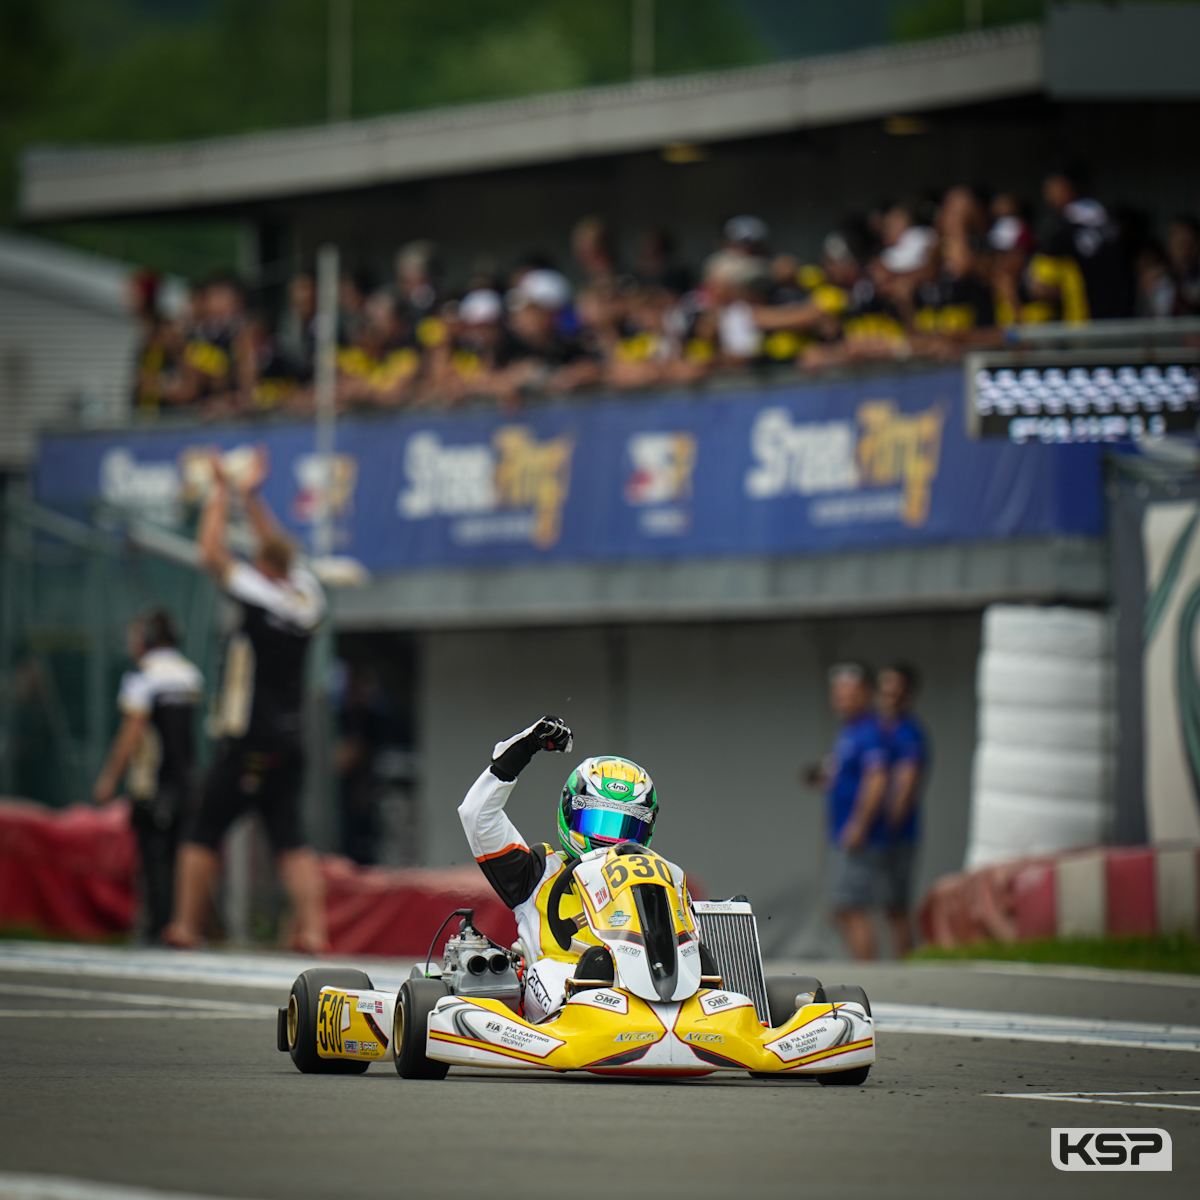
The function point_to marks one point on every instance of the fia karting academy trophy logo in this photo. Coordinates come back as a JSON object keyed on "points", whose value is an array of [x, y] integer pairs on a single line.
{"points": [[1110, 1149]]}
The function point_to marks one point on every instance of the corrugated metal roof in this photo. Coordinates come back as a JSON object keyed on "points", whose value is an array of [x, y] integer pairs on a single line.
{"points": [[64, 183], [33, 265]]}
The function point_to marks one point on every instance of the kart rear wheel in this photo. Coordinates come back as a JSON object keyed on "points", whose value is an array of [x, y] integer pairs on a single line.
{"points": [[302, 1019], [840, 993], [417, 999], [782, 991]]}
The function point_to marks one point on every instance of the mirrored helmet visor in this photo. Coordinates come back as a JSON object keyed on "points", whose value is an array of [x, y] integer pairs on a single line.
{"points": [[609, 825]]}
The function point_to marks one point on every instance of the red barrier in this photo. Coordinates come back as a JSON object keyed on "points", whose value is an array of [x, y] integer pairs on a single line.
{"points": [[71, 873], [1036, 895], [68, 873], [373, 910]]}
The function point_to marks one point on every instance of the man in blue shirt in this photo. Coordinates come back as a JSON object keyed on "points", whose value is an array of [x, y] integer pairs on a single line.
{"points": [[856, 778], [908, 760]]}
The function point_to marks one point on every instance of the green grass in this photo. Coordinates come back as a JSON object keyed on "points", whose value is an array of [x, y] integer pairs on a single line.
{"points": [[1177, 953]]}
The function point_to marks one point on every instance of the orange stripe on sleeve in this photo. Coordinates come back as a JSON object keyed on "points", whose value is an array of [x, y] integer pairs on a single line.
{"points": [[512, 846]]}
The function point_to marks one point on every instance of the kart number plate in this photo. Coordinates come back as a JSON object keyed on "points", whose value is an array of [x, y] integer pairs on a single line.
{"points": [[637, 868]]}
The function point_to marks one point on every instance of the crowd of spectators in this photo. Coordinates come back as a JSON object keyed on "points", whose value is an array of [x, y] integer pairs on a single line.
{"points": [[925, 279]]}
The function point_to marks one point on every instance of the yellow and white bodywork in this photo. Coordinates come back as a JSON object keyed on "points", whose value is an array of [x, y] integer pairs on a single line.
{"points": [[658, 1016], [612, 1030]]}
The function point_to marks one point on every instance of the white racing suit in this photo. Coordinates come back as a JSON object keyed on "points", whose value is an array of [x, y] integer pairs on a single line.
{"points": [[523, 878]]}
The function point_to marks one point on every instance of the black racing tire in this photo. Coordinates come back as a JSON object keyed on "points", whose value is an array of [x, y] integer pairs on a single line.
{"points": [[416, 1001], [839, 993], [302, 1019], [850, 1078], [782, 991]]}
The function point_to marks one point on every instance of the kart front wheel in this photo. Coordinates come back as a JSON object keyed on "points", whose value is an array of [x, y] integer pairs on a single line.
{"points": [[840, 993], [417, 999], [302, 1019], [851, 1078]]}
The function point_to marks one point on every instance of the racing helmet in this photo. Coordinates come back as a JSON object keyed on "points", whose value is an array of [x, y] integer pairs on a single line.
{"points": [[606, 800]]}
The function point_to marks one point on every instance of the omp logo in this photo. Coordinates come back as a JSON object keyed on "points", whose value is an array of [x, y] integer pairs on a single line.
{"points": [[605, 998], [635, 1037], [1110, 1149], [515, 474], [720, 1000], [887, 450], [703, 1037]]}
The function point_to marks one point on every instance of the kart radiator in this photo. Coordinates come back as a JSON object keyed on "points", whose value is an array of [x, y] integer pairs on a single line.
{"points": [[728, 929]]}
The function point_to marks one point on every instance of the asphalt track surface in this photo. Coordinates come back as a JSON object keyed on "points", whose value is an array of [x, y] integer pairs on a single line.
{"points": [[159, 1071]]}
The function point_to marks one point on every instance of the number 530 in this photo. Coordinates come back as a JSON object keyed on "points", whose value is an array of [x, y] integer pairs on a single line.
{"points": [[637, 867]]}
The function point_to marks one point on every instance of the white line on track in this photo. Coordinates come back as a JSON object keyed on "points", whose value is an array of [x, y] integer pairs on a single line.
{"points": [[1032, 1027], [176, 966], [55, 1187], [140, 998], [1106, 975], [144, 1014], [1096, 1098]]}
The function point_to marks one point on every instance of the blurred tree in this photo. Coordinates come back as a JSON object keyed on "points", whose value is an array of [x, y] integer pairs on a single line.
{"points": [[936, 18], [31, 49]]}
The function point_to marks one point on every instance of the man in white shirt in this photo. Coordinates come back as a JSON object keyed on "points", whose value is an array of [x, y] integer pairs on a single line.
{"points": [[155, 754]]}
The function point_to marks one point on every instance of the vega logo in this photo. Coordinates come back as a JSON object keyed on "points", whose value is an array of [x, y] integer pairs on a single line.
{"points": [[1110, 1149]]}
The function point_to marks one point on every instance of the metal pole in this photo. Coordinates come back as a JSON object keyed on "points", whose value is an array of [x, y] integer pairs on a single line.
{"points": [[319, 793], [341, 59], [643, 39], [326, 389]]}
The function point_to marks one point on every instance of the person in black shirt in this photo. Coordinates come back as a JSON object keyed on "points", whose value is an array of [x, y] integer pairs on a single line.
{"points": [[154, 751], [1082, 230], [259, 761]]}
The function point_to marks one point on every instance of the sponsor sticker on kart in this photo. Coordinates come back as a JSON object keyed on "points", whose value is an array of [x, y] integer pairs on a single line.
{"points": [[636, 1036], [801, 1042], [715, 1002], [501, 1032], [695, 1036], [620, 919], [602, 998], [370, 1004]]}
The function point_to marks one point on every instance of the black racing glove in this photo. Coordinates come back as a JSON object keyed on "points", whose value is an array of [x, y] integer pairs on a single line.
{"points": [[510, 758]]}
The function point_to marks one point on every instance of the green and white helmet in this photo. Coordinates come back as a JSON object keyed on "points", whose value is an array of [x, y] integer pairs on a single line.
{"points": [[605, 801]]}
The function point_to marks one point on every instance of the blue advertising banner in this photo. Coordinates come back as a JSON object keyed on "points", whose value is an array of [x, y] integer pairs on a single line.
{"points": [[785, 471]]}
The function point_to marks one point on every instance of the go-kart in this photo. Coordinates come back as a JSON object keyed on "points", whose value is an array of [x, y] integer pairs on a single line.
{"points": [[674, 988]]}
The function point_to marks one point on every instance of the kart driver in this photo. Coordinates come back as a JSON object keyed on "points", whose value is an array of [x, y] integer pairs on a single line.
{"points": [[605, 801]]}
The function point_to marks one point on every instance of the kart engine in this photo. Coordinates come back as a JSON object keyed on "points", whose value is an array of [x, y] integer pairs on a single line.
{"points": [[476, 968]]}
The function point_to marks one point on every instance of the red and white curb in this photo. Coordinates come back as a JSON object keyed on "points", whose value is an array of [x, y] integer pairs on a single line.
{"points": [[1111, 891]]}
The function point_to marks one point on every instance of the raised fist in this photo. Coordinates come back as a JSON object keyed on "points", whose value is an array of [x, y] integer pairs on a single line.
{"points": [[553, 733], [510, 758]]}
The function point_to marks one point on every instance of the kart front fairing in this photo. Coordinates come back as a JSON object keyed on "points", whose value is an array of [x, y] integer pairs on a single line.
{"points": [[612, 1030]]}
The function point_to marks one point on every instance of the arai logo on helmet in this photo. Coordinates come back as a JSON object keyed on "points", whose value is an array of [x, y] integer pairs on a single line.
{"points": [[616, 785]]}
